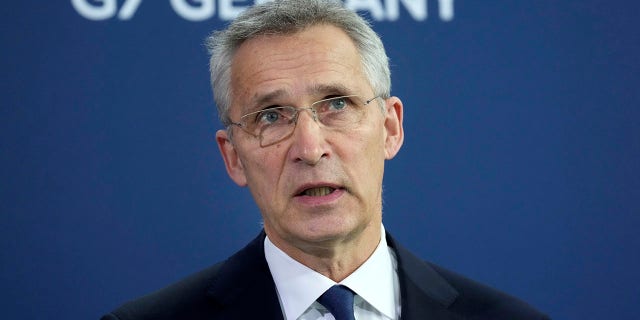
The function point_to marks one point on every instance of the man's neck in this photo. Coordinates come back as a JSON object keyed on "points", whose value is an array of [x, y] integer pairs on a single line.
{"points": [[336, 258]]}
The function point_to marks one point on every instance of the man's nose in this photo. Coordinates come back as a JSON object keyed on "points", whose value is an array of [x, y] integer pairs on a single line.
{"points": [[310, 110], [308, 144]]}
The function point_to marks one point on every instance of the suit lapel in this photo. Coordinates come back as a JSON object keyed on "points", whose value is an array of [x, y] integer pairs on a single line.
{"points": [[243, 287], [424, 293]]}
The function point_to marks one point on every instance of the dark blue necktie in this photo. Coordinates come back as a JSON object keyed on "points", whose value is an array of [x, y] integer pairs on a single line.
{"points": [[339, 300]]}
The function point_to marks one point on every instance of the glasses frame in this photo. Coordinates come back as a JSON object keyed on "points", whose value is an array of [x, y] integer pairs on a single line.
{"points": [[294, 119]]}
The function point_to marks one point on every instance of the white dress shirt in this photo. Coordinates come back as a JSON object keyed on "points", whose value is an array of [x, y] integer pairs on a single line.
{"points": [[375, 283]]}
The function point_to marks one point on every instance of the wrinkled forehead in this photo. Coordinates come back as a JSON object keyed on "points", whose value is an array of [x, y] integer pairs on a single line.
{"points": [[318, 60]]}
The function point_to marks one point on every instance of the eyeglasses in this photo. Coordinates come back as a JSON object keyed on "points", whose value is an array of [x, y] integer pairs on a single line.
{"points": [[272, 125]]}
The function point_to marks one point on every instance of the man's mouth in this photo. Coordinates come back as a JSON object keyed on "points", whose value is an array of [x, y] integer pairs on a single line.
{"points": [[317, 192]]}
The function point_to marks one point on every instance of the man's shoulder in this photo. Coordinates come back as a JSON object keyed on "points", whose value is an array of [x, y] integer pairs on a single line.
{"points": [[203, 294], [181, 298], [432, 289], [479, 301]]}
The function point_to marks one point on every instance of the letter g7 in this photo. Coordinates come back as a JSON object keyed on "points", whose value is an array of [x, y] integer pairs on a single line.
{"points": [[106, 9]]}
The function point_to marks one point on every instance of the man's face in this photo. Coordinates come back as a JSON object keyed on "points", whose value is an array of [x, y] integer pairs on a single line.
{"points": [[320, 185]]}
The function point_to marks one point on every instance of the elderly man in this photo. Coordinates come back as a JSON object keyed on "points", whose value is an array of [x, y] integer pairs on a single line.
{"points": [[303, 90]]}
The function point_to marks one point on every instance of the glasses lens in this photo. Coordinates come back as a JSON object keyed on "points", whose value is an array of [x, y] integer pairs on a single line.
{"points": [[275, 124], [340, 112], [269, 124], [275, 132]]}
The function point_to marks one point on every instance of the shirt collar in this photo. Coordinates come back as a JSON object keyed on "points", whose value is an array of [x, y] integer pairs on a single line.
{"points": [[374, 280], [299, 286]]}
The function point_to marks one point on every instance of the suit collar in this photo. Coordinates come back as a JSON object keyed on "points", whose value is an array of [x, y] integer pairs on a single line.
{"points": [[424, 292], [243, 287], [245, 277]]}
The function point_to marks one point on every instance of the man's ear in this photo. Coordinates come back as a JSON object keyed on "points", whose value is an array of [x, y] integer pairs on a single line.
{"points": [[232, 161], [393, 127]]}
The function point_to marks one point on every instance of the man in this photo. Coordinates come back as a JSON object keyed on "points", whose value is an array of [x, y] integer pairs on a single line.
{"points": [[303, 90]]}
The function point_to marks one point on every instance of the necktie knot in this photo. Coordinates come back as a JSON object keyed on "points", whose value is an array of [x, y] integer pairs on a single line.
{"points": [[339, 301]]}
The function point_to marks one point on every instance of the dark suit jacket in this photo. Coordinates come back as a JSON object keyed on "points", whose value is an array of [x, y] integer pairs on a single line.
{"points": [[242, 288]]}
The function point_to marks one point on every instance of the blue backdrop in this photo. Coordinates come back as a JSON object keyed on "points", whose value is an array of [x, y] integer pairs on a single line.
{"points": [[520, 166]]}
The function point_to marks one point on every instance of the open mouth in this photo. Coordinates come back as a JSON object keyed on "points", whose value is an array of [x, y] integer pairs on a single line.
{"points": [[317, 191]]}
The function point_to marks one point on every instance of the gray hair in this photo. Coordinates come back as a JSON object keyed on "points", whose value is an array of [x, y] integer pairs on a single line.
{"points": [[287, 17]]}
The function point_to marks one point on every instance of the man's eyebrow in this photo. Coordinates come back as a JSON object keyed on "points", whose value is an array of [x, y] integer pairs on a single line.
{"points": [[332, 88], [262, 99]]}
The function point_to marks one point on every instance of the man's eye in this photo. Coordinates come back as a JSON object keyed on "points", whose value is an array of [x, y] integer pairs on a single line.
{"points": [[268, 116], [338, 103]]}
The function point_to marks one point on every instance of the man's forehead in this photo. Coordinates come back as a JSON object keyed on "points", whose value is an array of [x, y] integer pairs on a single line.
{"points": [[287, 97], [283, 70]]}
